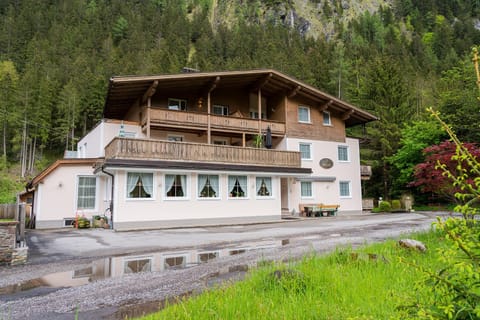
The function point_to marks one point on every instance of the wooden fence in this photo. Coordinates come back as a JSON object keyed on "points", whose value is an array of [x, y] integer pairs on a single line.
{"points": [[15, 212], [7, 211]]}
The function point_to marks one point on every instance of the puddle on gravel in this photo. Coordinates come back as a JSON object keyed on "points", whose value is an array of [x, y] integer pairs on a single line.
{"points": [[140, 309], [117, 266]]}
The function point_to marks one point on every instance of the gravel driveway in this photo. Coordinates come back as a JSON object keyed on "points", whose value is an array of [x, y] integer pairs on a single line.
{"points": [[115, 297]]}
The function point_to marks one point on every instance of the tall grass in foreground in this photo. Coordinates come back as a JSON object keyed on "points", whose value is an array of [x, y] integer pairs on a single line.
{"points": [[345, 284]]}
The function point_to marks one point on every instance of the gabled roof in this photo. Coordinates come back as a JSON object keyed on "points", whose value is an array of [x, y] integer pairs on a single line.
{"points": [[59, 163], [124, 91]]}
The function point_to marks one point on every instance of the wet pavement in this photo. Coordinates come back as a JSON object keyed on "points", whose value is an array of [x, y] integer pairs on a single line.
{"points": [[67, 266], [62, 244]]}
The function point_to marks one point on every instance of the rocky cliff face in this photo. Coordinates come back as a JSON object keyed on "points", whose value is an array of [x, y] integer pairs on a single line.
{"points": [[314, 18]]}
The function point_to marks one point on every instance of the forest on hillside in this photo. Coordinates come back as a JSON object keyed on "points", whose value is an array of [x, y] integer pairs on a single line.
{"points": [[56, 58]]}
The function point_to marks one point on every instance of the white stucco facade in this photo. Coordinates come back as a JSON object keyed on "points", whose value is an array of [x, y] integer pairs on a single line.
{"points": [[325, 182], [92, 145], [56, 197], [161, 210]]}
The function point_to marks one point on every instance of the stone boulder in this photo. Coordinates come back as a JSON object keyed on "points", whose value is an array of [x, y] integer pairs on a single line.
{"points": [[412, 244]]}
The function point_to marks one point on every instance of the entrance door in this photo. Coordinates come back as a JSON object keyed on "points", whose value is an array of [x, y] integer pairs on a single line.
{"points": [[284, 194]]}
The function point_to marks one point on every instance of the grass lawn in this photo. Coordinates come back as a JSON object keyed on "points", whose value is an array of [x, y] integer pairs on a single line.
{"points": [[7, 220], [345, 284]]}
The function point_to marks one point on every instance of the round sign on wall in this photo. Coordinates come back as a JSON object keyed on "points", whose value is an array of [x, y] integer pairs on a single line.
{"points": [[326, 163]]}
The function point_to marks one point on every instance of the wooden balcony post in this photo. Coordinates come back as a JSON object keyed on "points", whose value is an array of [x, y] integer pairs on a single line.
{"points": [[149, 104], [147, 97], [259, 111], [209, 138]]}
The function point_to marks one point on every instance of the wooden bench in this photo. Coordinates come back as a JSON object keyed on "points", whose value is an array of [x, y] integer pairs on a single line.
{"points": [[318, 209]]}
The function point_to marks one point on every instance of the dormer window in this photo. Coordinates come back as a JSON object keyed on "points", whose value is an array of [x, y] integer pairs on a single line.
{"points": [[177, 104]]}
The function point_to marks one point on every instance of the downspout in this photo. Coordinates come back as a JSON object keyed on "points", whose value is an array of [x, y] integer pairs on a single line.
{"points": [[112, 193]]}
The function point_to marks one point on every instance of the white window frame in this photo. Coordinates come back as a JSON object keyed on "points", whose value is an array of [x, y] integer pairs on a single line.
{"points": [[347, 153], [182, 104], [185, 189], [349, 184], [308, 114], [218, 107], [271, 196], [95, 208], [246, 191], [71, 222], [199, 188], [174, 138], [127, 194], [327, 119], [254, 115], [300, 144], [311, 190]]}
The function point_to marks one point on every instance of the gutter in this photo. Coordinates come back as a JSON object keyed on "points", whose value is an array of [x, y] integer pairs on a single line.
{"points": [[112, 193]]}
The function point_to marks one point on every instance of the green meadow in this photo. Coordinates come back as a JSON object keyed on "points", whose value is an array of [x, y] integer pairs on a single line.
{"points": [[367, 283]]}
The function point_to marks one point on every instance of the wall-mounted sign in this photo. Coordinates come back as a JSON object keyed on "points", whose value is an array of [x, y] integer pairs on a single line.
{"points": [[326, 163]]}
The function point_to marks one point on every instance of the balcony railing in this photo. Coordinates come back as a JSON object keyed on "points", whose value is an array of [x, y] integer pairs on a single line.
{"points": [[173, 118], [366, 172], [142, 149]]}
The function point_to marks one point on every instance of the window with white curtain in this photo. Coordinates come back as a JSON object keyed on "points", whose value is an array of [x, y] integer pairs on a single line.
{"points": [[264, 186], [139, 185], [175, 185], [208, 186], [237, 186], [86, 193]]}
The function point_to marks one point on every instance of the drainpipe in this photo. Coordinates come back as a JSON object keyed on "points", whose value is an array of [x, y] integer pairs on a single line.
{"points": [[111, 197]]}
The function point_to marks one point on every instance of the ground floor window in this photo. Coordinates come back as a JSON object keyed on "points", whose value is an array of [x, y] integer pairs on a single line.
{"points": [[264, 186], [306, 189], [176, 185], [139, 185], [237, 186], [345, 189], [86, 193], [207, 186]]}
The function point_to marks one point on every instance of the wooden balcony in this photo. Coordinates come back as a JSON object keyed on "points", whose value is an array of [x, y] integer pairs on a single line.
{"points": [[194, 120], [142, 149], [365, 172]]}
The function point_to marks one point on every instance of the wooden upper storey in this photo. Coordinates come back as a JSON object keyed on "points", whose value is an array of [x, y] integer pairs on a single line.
{"points": [[240, 97]]}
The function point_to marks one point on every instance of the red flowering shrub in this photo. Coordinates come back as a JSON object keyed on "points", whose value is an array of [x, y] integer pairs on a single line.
{"points": [[430, 178]]}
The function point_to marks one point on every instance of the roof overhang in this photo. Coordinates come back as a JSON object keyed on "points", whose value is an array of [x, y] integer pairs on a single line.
{"points": [[59, 163], [317, 178], [125, 91], [199, 166]]}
